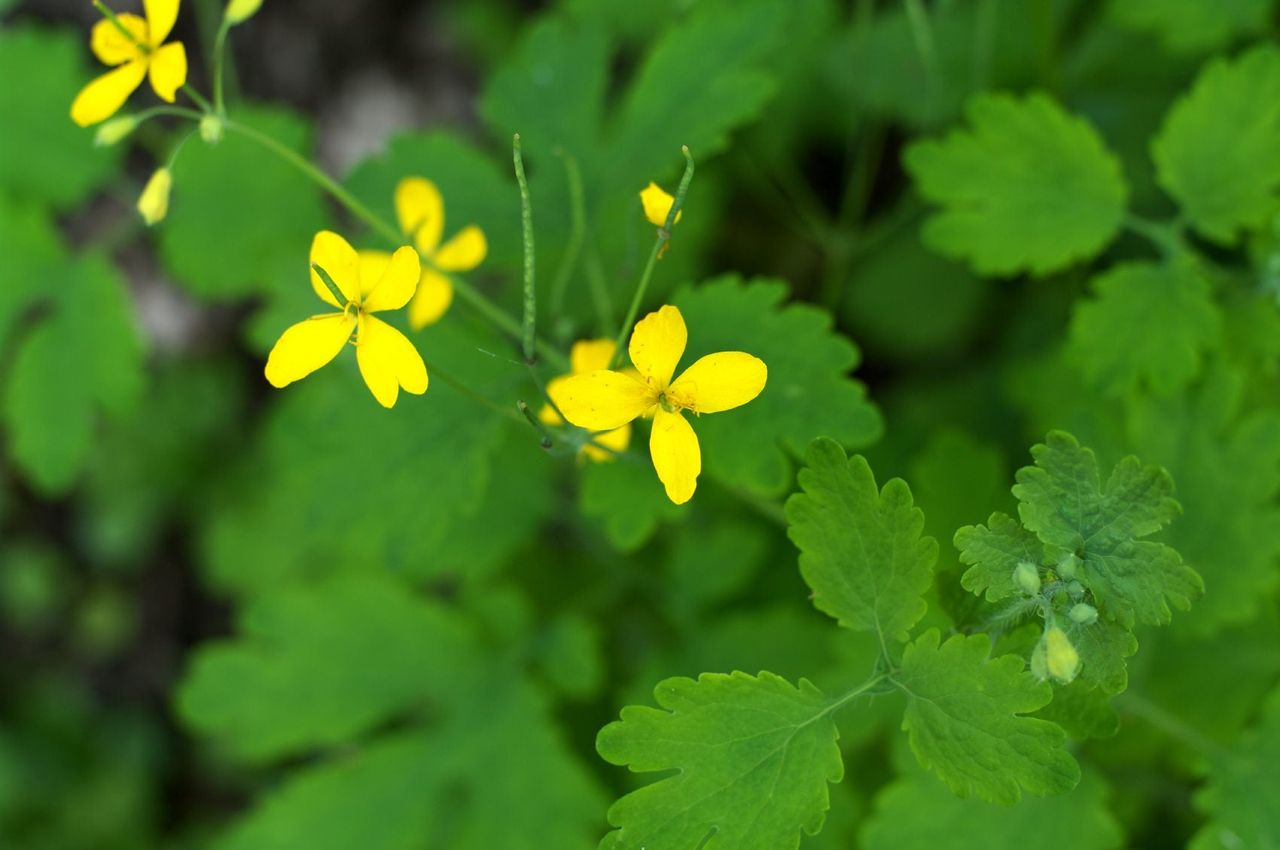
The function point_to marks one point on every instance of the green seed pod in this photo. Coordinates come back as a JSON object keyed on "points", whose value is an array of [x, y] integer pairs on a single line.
{"points": [[1027, 577], [1084, 614]]}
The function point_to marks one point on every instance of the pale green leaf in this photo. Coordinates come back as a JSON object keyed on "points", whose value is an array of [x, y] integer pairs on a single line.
{"points": [[1174, 305], [809, 391], [316, 666], [919, 813], [1227, 464], [1194, 26], [1218, 153], [82, 359], [753, 754], [966, 720], [44, 156], [1242, 795], [1063, 501], [238, 213], [1026, 187], [861, 548], [992, 552]]}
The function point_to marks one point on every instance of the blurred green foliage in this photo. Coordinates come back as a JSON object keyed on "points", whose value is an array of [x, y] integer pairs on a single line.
{"points": [[239, 618]]}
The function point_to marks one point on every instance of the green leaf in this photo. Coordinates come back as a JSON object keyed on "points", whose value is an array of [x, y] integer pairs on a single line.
{"points": [[919, 813], [44, 156], [495, 774], [1082, 710], [1227, 464], [33, 253], [1191, 26], [316, 666], [809, 390], [753, 754], [1218, 153], [1103, 647], [702, 79], [1172, 301], [992, 552], [84, 358], [239, 212], [861, 549], [329, 460], [1028, 187], [1242, 795], [965, 718], [1063, 501], [626, 496]]}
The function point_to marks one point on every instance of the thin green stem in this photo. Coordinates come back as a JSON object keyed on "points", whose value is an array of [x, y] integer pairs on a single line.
{"points": [[1165, 235], [577, 231], [326, 182], [536, 423], [462, 288], [922, 34], [197, 98], [1172, 726], [174, 111], [850, 695], [219, 52], [664, 236], [502, 410], [530, 317]]}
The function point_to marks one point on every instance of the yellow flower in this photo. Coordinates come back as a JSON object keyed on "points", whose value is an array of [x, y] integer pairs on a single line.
{"points": [[387, 360], [153, 203], [604, 400], [588, 355], [420, 211], [657, 204], [139, 54]]}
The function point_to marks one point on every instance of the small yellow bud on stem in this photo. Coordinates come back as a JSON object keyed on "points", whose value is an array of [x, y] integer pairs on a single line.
{"points": [[153, 203]]}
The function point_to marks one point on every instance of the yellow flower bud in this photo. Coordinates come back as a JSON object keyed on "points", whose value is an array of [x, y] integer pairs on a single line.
{"points": [[211, 127], [114, 130], [1061, 659], [153, 203], [239, 11]]}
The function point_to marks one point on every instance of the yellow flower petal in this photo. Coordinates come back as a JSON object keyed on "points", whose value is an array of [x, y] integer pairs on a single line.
{"points": [[372, 265], [388, 361], [676, 456], [555, 391], [606, 446], [590, 355], [161, 15], [395, 286], [434, 295], [603, 400], [463, 252], [111, 46], [657, 343], [168, 70], [99, 100], [335, 255], [719, 382], [420, 211], [657, 204], [307, 346]]}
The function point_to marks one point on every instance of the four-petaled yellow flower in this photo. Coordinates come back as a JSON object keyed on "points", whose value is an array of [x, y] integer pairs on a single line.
{"points": [[387, 360], [604, 400], [139, 54], [420, 211], [657, 204], [586, 356]]}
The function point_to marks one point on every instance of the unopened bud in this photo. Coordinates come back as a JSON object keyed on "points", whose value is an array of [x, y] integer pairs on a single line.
{"points": [[239, 11], [153, 203], [1075, 590], [1027, 577], [1069, 566], [1061, 659], [114, 130], [211, 127], [1084, 614]]}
